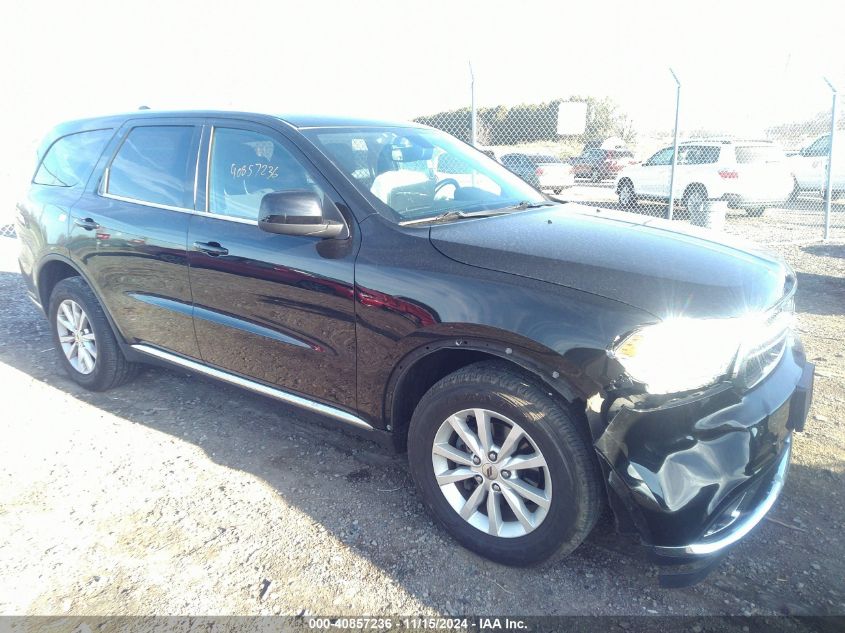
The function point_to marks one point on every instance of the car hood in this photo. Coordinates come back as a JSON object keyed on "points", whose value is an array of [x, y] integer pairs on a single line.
{"points": [[649, 263]]}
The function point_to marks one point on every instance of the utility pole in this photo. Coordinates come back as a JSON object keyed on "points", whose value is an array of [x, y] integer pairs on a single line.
{"points": [[828, 188], [472, 122], [675, 146]]}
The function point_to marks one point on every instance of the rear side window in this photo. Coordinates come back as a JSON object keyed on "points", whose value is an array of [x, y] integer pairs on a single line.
{"points": [[698, 154], [759, 154], [71, 159], [155, 164]]}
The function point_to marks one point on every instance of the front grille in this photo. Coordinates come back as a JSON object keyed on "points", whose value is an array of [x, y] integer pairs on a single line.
{"points": [[764, 347]]}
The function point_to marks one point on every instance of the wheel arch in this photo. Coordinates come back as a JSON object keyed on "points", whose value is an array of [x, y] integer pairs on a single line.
{"points": [[415, 373], [692, 187], [625, 180], [53, 269]]}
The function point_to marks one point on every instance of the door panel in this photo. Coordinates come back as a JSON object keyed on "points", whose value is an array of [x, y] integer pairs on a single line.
{"points": [[654, 175], [276, 308], [135, 252]]}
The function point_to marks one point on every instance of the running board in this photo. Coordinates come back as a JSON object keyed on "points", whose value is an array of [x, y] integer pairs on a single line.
{"points": [[257, 387]]}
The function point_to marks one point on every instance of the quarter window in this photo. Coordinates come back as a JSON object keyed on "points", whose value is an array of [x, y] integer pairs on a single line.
{"points": [[70, 160], [155, 164], [246, 166]]}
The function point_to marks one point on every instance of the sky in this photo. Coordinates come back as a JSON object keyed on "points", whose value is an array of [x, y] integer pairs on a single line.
{"points": [[743, 65]]}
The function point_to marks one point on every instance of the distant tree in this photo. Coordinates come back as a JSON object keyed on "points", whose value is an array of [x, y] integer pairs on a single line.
{"points": [[795, 131], [531, 122]]}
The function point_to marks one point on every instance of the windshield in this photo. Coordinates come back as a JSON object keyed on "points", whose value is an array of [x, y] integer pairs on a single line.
{"points": [[410, 174]]}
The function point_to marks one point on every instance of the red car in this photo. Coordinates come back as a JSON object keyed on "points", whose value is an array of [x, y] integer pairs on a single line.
{"points": [[600, 164]]}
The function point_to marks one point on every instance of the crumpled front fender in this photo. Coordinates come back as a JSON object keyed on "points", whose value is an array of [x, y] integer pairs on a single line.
{"points": [[677, 466]]}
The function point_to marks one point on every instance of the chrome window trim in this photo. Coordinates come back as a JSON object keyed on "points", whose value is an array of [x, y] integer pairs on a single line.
{"points": [[211, 132], [246, 383], [146, 203], [168, 207]]}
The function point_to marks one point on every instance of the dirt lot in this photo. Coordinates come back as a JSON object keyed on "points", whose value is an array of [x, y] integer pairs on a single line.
{"points": [[178, 495]]}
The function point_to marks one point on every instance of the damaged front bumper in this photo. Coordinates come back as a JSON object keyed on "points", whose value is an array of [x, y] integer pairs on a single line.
{"points": [[694, 475]]}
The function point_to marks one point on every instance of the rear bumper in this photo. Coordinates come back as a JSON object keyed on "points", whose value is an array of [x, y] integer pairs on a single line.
{"points": [[696, 475]]}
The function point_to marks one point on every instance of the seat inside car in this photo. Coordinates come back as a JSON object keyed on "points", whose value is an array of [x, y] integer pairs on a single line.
{"points": [[401, 189]]}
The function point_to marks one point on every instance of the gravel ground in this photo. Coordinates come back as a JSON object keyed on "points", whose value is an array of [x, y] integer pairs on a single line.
{"points": [[178, 495]]}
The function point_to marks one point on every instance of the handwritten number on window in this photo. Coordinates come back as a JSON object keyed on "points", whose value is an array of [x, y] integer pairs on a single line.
{"points": [[262, 170]]}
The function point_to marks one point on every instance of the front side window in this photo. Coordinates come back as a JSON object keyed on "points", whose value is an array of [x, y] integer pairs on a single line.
{"points": [[820, 147], [419, 173], [71, 159], [246, 166], [155, 164], [663, 157]]}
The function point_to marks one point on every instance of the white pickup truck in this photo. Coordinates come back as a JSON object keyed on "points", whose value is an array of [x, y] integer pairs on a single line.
{"points": [[809, 166]]}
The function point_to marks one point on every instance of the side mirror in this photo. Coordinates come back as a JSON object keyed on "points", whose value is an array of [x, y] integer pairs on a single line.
{"points": [[296, 213]]}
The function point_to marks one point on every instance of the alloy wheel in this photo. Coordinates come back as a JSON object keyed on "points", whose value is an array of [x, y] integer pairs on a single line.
{"points": [[695, 204], [76, 336], [492, 473]]}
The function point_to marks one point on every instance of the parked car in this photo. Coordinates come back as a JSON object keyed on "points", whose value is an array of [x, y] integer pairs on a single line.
{"points": [[541, 171], [599, 164], [536, 360], [809, 167], [750, 175]]}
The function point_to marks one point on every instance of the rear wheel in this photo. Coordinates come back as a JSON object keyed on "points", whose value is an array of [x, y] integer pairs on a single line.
{"points": [[503, 467], [87, 347], [695, 202], [557, 189]]}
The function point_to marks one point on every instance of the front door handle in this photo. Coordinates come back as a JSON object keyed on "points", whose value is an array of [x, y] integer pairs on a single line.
{"points": [[211, 248], [86, 223]]}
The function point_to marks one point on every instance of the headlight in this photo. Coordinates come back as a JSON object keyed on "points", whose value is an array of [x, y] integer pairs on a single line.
{"points": [[680, 354]]}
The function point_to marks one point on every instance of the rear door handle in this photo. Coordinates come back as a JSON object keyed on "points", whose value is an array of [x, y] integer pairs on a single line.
{"points": [[86, 223], [211, 248]]}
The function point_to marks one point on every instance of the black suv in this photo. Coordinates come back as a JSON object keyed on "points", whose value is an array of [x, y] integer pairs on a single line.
{"points": [[537, 360]]}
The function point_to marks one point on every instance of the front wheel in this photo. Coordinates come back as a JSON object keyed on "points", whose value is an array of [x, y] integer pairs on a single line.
{"points": [[87, 347], [627, 195], [756, 212], [503, 466]]}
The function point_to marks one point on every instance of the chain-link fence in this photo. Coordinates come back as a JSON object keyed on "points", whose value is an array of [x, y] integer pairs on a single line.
{"points": [[770, 185]]}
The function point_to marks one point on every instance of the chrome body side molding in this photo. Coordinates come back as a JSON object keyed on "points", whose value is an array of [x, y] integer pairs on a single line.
{"points": [[257, 387]]}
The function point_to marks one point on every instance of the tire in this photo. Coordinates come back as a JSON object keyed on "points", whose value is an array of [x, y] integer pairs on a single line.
{"points": [[627, 196], [110, 367], [569, 481], [756, 212], [557, 190], [595, 175], [695, 201]]}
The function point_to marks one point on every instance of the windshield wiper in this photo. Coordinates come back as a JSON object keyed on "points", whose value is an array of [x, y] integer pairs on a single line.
{"points": [[525, 204], [458, 214], [454, 214]]}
